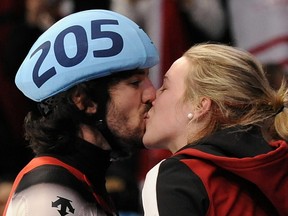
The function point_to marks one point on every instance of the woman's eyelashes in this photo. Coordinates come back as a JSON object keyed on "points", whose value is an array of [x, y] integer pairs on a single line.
{"points": [[162, 88]]}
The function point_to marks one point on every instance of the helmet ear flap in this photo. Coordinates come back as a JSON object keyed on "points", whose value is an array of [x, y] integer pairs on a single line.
{"points": [[47, 106]]}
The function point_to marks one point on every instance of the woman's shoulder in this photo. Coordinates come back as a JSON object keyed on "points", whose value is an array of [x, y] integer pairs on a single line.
{"points": [[171, 168], [171, 182]]}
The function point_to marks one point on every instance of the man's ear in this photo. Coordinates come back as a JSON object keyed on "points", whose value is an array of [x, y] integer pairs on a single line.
{"points": [[84, 103]]}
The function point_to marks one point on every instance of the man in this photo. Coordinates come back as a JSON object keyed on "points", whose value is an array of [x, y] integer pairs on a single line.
{"points": [[88, 73]]}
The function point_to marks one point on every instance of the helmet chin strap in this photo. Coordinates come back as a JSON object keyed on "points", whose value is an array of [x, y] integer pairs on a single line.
{"points": [[118, 152]]}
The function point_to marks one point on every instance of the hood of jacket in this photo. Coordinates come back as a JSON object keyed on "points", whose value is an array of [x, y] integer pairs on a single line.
{"points": [[246, 154]]}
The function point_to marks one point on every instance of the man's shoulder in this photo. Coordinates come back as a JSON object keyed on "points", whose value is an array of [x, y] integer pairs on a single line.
{"points": [[50, 199], [55, 176]]}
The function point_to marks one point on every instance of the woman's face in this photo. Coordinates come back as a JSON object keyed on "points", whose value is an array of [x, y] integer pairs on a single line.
{"points": [[167, 119]]}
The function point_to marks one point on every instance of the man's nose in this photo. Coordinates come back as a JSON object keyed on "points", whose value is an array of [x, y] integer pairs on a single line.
{"points": [[149, 93]]}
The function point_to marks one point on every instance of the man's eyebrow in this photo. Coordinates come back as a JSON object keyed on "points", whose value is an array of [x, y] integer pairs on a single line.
{"points": [[142, 72]]}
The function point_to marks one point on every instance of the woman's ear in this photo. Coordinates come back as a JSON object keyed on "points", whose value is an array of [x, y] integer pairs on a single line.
{"points": [[84, 103], [203, 107]]}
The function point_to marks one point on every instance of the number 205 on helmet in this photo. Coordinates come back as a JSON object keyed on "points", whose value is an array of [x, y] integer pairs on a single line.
{"points": [[83, 46]]}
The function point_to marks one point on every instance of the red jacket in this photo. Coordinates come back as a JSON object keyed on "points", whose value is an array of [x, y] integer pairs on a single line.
{"points": [[268, 172], [226, 174]]}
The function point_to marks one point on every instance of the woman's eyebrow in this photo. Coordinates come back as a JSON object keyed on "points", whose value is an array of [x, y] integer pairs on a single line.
{"points": [[165, 79]]}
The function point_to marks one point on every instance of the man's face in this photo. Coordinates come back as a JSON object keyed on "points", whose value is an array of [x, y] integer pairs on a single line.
{"points": [[131, 99]]}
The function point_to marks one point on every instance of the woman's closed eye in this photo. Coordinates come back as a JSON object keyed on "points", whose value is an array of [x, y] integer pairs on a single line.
{"points": [[162, 89]]}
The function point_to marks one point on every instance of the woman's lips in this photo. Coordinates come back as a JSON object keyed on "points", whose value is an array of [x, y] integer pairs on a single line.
{"points": [[146, 116]]}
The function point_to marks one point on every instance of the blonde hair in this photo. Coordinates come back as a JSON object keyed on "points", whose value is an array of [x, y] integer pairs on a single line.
{"points": [[240, 92]]}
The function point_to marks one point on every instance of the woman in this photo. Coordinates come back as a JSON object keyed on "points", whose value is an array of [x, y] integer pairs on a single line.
{"points": [[227, 130]]}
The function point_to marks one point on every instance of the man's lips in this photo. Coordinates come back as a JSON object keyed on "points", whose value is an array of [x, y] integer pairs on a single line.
{"points": [[146, 113]]}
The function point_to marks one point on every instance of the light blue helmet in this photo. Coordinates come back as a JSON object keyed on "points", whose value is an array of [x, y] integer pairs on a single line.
{"points": [[80, 47]]}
